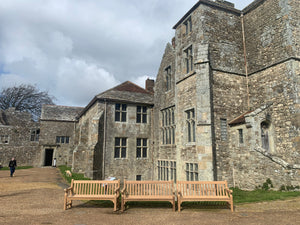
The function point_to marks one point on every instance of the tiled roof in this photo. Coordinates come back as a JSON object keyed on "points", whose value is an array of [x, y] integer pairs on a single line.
{"points": [[60, 113], [128, 92]]}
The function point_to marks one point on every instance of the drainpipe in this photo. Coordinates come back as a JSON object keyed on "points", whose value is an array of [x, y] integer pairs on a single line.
{"points": [[104, 140], [245, 60]]}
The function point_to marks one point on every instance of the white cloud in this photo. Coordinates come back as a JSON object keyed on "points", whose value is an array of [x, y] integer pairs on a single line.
{"points": [[76, 49]]}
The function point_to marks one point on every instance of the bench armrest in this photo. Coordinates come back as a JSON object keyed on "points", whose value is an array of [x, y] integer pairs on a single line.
{"points": [[117, 190], [229, 191], [68, 190]]}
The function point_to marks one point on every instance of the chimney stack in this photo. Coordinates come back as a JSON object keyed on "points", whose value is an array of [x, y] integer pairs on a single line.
{"points": [[150, 85]]}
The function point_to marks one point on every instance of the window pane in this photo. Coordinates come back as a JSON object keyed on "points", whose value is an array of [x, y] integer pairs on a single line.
{"points": [[123, 116], [144, 118], [117, 152], [138, 152], [138, 108], [117, 116], [138, 141], [144, 109], [138, 118], [145, 152], [144, 141], [124, 141], [67, 139], [117, 106], [123, 153], [57, 139], [117, 141], [124, 106]]}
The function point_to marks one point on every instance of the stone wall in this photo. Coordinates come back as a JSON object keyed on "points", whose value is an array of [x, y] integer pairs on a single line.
{"points": [[17, 126], [229, 101], [164, 100], [272, 33], [87, 154], [130, 166], [63, 152]]}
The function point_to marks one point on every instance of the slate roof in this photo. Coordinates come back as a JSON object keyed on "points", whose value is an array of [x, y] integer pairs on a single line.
{"points": [[60, 113]]}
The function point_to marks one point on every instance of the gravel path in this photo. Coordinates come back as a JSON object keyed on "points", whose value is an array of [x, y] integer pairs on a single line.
{"points": [[35, 196]]}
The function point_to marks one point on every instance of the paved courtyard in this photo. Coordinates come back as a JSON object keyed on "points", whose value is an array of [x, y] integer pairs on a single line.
{"points": [[35, 196]]}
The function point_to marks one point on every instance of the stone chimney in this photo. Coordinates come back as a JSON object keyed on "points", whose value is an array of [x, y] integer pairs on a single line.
{"points": [[225, 3], [150, 85]]}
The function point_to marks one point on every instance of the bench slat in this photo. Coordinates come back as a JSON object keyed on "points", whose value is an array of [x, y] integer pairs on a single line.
{"points": [[203, 191]]}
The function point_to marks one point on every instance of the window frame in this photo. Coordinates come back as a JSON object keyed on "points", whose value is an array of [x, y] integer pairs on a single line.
{"points": [[121, 149], [121, 112], [166, 170], [142, 114], [188, 57], [168, 78], [188, 25], [191, 125], [192, 171], [142, 148]]}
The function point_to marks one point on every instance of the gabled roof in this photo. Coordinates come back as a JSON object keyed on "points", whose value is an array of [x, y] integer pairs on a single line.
{"points": [[127, 92], [131, 87]]}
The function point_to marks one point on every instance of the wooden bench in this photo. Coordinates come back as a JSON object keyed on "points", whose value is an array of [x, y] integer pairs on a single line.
{"points": [[92, 190], [203, 191], [148, 191]]}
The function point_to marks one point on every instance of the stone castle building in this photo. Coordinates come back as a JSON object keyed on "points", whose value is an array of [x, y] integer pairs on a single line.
{"points": [[225, 106]]}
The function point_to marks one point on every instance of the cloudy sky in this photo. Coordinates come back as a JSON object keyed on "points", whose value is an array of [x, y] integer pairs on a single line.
{"points": [[75, 49]]}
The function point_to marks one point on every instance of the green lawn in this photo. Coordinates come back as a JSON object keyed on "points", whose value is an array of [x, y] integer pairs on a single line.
{"points": [[18, 167], [259, 195], [75, 176]]}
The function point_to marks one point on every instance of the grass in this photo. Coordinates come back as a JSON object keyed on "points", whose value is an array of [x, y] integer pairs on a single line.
{"points": [[18, 167], [259, 195], [75, 176]]}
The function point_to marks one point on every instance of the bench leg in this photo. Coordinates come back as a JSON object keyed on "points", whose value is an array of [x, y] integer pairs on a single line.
{"points": [[173, 204], [179, 204], [122, 204]]}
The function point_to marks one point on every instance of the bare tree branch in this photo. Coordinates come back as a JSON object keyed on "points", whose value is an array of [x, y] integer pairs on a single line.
{"points": [[25, 98]]}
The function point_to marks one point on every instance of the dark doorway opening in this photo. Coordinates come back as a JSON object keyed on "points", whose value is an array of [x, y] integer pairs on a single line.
{"points": [[48, 157]]}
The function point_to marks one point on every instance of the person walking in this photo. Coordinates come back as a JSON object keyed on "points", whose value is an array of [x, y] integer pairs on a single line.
{"points": [[12, 165]]}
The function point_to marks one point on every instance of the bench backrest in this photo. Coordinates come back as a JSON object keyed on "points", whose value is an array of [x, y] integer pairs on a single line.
{"points": [[149, 188], [94, 187], [202, 188]]}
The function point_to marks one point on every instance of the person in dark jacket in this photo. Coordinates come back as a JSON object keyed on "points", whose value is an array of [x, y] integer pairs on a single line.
{"points": [[12, 165]]}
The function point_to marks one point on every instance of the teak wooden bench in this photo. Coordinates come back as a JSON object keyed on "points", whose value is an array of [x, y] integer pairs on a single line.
{"points": [[148, 191], [203, 191], [92, 190]]}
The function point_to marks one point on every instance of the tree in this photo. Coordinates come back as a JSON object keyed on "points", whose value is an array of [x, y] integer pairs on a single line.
{"points": [[26, 98]]}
